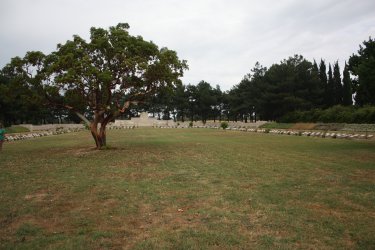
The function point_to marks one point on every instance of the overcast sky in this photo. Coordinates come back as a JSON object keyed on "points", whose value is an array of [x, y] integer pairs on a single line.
{"points": [[221, 40]]}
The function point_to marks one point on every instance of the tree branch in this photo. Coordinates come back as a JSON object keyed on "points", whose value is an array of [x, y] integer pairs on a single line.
{"points": [[125, 106], [70, 108], [83, 118]]}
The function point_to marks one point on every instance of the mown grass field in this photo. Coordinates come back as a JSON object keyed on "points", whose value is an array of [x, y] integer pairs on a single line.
{"points": [[187, 189]]}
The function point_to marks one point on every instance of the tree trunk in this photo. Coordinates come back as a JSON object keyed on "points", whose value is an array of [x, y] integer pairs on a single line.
{"points": [[103, 136], [100, 136], [102, 132], [95, 134]]}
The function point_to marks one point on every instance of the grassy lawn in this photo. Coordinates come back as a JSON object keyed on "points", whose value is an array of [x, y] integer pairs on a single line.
{"points": [[187, 189]]}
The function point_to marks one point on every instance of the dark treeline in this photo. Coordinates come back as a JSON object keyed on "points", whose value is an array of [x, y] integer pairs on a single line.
{"points": [[293, 90]]}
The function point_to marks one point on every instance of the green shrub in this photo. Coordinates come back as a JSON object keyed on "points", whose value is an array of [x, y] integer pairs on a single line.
{"points": [[224, 125], [190, 124]]}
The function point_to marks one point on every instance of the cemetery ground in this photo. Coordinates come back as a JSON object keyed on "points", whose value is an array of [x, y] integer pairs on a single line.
{"points": [[187, 189]]}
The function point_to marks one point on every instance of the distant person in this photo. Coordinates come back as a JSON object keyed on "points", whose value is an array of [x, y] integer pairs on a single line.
{"points": [[2, 136]]}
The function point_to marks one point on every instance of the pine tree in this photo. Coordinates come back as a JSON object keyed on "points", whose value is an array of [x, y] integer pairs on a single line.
{"points": [[347, 87], [337, 86], [330, 92]]}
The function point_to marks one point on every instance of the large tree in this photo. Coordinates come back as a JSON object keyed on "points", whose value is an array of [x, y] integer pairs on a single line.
{"points": [[205, 100], [288, 86], [21, 104], [291, 85], [247, 97], [362, 66], [103, 76]]}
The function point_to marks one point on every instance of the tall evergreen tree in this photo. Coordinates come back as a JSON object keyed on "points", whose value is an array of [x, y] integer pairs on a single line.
{"points": [[347, 87], [323, 81], [337, 84], [315, 75], [315, 66], [330, 92]]}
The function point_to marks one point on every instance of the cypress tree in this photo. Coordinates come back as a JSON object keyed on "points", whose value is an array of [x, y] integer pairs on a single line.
{"points": [[316, 87], [323, 81], [347, 87], [315, 66], [330, 93], [337, 86]]}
